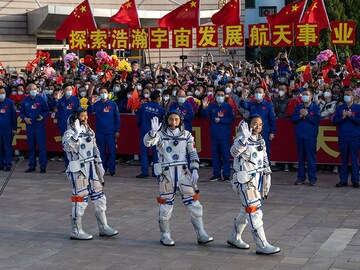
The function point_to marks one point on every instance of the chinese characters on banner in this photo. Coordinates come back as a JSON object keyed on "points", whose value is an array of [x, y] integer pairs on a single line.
{"points": [[281, 35]]}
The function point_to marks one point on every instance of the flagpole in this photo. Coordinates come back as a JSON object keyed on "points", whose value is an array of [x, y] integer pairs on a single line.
{"points": [[302, 14], [159, 55], [92, 14]]}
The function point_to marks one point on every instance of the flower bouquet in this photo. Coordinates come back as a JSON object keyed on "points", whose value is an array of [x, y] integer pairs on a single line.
{"points": [[44, 58], [125, 67], [84, 103], [194, 102], [327, 60], [355, 61], [103, 61], [71, 61]]}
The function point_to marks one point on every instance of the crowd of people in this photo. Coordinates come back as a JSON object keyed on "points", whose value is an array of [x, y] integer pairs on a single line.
{"points": [[222, 91]]}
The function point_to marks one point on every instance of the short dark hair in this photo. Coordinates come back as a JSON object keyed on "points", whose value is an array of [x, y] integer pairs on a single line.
{"points": [[154, 95]]}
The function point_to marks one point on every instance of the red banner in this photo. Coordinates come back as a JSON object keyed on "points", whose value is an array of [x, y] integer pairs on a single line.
{"points": [[343, 33], [129, 139]]}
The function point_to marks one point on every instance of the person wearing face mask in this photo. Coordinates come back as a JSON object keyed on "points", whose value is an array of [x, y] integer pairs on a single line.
{"points": [[107, 126], [327, 105], [8, 127], [144, 115], [134, 73], [265, 110], [347, 118], [165, 103], [34, 111], [221, 118], [184, 108], [145, 96], [281, 102], [175, 147], [336, 93], [65, 106], [229, 90], [123, 108], [306, 118]]}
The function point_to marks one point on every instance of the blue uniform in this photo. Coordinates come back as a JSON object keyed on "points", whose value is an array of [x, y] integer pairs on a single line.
{"points": [[107, 124], [306, 132], [186, 111], [122, 104], [266, 111], [349, 139], [65, 107], [220, 136], [143, 117], [7, 125], [36, 132]]}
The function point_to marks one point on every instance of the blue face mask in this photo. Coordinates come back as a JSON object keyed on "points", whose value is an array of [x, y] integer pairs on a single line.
{"points": [[305, 98], [258, 96], [181, 100], [116, 89], [2, 96], [33, 93], [282, 79], [220, 99], [347, 99]]}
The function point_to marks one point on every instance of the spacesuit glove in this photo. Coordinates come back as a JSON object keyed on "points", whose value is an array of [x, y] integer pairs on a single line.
{"points": [[244, 129], [194, 176], [155, 126], [266, 185], [77, 128]]}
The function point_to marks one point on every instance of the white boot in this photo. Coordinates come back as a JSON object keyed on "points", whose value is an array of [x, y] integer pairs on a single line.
{"points": [[262, 246], [104, 228], [165, 237], [202, 236], [235, 235], [77, 231]]}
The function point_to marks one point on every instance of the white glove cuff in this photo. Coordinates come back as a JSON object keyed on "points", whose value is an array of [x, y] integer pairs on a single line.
{"points": [[75, 136]]}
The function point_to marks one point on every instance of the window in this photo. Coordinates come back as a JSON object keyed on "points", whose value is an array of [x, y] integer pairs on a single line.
{"points": [[249, 3], [263, 11]]}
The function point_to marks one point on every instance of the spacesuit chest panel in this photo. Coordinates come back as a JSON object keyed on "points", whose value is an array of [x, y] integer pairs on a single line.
{"points": [[174, 149], [86, 146]]}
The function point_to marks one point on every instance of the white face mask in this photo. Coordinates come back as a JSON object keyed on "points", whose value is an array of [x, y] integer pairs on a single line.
{"points": [[138, 87], [227, 90], [166, 98], [209, 93], [327, 94], [20, 92], [14, 93], [2, 96], [181, 100], [281, 93], [197, 93], [189, 93], [104, 95], [146, 95], [82, 94], [86, 86], [33, 93], [68, 93], [128, 96], [174, 93], [258, 96], [220, 99], [51, 92]]}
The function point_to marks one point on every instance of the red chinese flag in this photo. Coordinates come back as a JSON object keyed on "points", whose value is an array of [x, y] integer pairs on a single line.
{"points": [[229, 14], [307, 73], [316, 13], [81, 18], [127, 14], [187, 16], [348, 65], [291, 13], [264, 85], [75, 91]]}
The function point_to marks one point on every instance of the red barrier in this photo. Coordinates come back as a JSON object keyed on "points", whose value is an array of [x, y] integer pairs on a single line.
{"points": [[283, 146]]}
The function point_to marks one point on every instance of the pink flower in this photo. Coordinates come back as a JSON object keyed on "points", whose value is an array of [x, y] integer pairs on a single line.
{"points": [[67, 66]]}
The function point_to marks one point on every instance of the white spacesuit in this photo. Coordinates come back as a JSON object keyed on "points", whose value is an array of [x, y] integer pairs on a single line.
{"points": [[85, 172], [251, 181], [175, 146]]}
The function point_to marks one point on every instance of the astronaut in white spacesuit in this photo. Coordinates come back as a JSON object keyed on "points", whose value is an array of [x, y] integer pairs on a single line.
{"points": [[85, 172], [251, 181], [175, 146]]}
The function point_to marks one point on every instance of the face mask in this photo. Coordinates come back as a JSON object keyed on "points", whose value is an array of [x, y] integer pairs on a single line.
{"points": [[2, 96], [227, 90], [189, 93], [174, 93], [159, 89], [41, 83], [128, 96], [82, 94], [51, 92], [33, 93], [281, 93], [104, 95], [181, 100], [305, 99], [197, 93], [327, 94], [283, 79], [347, 99], [221, 71], [166, 98], [138, 87], [20, 92], [227, 74], [68, 93], [116, 89], [46, 92], [209, 93], [86, 86], [14, 93], [146, 95], [220, 99], [320, 93], [239, 89], [258, 96]]}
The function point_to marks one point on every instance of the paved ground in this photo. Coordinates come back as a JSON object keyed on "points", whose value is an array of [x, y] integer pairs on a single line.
{"points": [[316, 227]]}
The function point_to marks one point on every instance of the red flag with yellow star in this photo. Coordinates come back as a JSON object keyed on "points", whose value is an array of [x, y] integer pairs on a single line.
{"points": [[316, 13], [289, 14], [229, 14], [81, 18], [187, 16], [127, 14]]}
